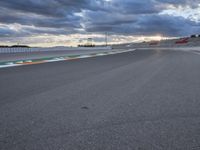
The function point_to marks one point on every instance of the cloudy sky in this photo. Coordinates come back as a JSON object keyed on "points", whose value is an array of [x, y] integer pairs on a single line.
{"points": [[71, 22]]}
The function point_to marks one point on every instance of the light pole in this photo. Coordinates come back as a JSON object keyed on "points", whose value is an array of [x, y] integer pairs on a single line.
{"points": [[106, 38]]}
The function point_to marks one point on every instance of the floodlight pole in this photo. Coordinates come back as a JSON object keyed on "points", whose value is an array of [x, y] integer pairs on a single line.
{"points": [[106, 38]]}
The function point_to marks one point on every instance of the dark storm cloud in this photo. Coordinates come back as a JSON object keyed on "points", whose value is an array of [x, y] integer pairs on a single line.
{"points": [[50, 13], [142, 18], [165, 25], [118, 16], [57, 8], [4, 32], [150, 25], [69, 21], [136, 6]]}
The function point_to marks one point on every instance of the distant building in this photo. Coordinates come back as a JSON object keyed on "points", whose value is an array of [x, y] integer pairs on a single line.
{"points": [[193, 36], [89, 43]]}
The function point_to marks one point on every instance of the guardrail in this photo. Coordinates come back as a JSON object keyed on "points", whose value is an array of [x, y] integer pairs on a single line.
{"points": [[25, 50]]}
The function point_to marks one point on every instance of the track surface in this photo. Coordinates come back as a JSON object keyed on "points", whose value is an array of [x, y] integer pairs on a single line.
{"points": [[141, 100]]}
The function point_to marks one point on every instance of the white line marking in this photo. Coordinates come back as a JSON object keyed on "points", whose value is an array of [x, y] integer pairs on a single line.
{"points": [[19, 62], [84, 56], [13, 65], [52, 60], [28, 61], [9, 63], [100, 54], [59, 58]]}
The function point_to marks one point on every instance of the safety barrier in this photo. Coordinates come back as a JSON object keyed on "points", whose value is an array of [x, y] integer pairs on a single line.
{"points": [[22, 50]]}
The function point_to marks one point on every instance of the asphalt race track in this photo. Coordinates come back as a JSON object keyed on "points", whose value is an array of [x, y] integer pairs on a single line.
{"points": [[140, 100]]}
